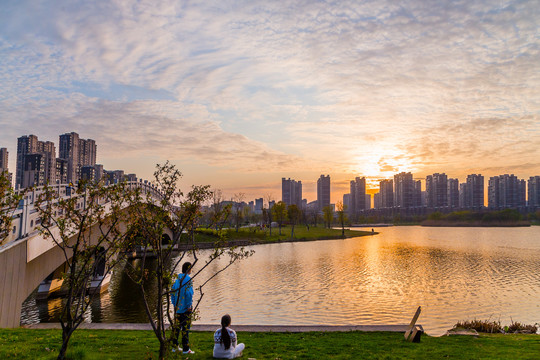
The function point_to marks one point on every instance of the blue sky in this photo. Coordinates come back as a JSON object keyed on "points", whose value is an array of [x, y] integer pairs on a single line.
{"points": [[239, 94]]}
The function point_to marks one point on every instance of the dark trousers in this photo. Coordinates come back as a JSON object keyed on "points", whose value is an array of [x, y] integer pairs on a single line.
{"points": [[183, 323]]}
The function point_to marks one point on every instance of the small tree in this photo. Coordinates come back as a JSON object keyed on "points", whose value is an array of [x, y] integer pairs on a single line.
{"points": [[219, 213], [8, 204], [237, 209], [178, 214], [328, 214], [89, 230], [342, 216], [293, 212], [279, 211], [269, 198]]}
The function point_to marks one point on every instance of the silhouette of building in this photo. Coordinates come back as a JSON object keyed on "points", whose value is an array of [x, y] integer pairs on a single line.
{"points": [[534, 191], [471, 193], [291, 192], [453, 193], [404, 190], [323, 191], [506, 191], [386, 191], [33, 170], [437, 190], [259, 205], [358, 196]]}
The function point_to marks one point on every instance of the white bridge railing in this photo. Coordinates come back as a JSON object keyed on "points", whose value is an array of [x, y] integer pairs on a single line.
{"points": [[25, 219]]}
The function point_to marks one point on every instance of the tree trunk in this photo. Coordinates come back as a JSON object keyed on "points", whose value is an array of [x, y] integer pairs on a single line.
{"points": [[66, 335], [292, 232]]}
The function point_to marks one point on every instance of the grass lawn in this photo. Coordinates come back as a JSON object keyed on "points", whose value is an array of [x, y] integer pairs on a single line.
{"points": [[133, 344], [301, 233]]}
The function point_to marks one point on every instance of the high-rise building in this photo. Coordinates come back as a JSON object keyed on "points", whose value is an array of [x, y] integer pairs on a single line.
{"points": [[386, 191], [358, 195], [347, 202], [33, 170], [404, 189], [61, 170], [453, 193], [291, 192], [259, 205], [87, 152], [69, 150], [437, 190], [506, 191], [27, 144], [3, 160], [367, 202], [417, 194], [323, 191], [474, 197], [48, 150], [534, 191], [4, 155]]}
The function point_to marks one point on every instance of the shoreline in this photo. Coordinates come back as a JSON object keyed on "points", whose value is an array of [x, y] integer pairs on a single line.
{"points": [[245, 328]]}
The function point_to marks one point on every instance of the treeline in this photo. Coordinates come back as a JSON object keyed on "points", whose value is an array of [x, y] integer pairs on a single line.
{"points": [[506, 217]]}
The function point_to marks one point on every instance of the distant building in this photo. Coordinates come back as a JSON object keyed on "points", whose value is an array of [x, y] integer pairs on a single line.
{"points": [[115, 176], [291, 192], [259, 203], [69, 150], [404, 190], [358, 196], [471, 193], [437, 190], [3, 160], [534, 191], [27, 144], [367, 199], [386, 191], [88, 173], [453, 193], [48, 150], [506, 191], [33, 170], [417, 194], [347, 202], [61, 171], [323, 191]]}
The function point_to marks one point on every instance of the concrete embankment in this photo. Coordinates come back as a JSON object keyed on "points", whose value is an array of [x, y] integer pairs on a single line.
{"points": [[247, 328]]}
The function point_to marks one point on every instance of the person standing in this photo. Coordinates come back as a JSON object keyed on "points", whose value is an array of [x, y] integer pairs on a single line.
{"points": [[225, 339], [182, 300]]}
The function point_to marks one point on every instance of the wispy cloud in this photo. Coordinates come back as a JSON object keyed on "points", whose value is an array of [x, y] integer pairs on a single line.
{"points": [[349, 87]]}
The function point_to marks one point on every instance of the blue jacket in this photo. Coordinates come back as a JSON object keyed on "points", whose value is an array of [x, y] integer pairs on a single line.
{"points": [[182, 295]]}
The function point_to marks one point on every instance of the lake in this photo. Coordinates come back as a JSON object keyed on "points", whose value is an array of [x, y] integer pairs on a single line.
{"points": [[453, 273]]}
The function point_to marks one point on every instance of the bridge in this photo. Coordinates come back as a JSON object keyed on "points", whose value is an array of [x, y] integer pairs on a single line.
{"points": [[28, 258]]}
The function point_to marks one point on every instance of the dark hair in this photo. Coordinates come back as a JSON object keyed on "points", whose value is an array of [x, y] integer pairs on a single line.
{"points": [[185, 267], [225, 337]]}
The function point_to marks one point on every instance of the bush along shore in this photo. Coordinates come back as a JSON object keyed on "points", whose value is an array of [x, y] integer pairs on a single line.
{"points": [[502, 218], [255, 235], [133, 345]]}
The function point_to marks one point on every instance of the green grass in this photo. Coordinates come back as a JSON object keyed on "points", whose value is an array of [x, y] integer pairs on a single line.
{"points": [[301, 233], [126, 344]]}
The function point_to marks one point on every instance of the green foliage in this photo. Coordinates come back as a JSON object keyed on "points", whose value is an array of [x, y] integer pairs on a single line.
{"points": [[135, 345]]}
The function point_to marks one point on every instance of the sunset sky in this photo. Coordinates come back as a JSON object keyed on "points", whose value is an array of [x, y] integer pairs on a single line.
{"points": [[239, 94]]}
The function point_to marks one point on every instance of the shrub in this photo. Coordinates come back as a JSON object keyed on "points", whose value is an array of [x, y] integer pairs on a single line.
{"points": [[485, 326]]}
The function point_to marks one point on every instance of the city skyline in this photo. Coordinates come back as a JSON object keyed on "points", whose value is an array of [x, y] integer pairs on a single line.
{"points": [[239, 96]]}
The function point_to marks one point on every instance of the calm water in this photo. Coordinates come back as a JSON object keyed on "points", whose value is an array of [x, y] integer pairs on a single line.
{"points": [[453, 273]]}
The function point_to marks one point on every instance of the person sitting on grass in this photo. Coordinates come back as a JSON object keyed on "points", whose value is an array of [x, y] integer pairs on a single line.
{"points": [[225, 346]]}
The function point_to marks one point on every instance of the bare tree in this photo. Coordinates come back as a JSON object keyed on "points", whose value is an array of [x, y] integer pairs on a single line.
{"points": [[328, 214], [269, 198], [238, 214], [8, 204], [175, 214], [342, 216], [89, 229]]}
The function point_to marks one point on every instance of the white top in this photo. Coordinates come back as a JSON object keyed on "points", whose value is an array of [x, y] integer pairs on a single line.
{"points": [[219, 348]]}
